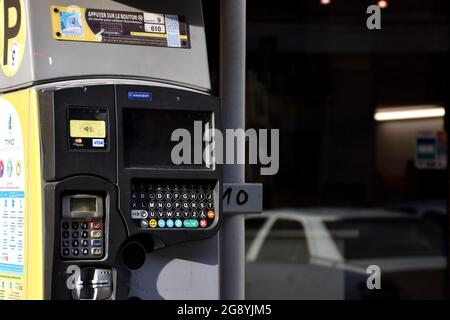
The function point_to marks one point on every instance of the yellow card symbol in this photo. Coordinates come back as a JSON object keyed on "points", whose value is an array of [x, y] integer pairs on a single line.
{"points": [[12, 35]]}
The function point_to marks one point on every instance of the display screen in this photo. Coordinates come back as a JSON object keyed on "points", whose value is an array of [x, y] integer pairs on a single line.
{"points": [[147, 136], [83, 205]]}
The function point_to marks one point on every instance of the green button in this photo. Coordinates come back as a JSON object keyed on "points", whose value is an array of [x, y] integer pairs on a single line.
{"points": [[190, 224]]}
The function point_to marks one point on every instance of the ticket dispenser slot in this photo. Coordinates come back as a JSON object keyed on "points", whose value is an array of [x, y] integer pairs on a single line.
{"points": [[82, 227]]}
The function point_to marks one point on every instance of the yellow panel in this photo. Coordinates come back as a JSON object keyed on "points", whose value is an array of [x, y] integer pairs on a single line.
{"points": [[87, 129], [29, 283]]}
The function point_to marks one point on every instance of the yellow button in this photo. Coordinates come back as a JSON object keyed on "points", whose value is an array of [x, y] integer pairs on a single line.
{"points": [[96, 234], [152, 223], [87, 129]]}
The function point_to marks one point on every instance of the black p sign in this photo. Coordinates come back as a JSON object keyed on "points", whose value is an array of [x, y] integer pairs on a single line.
{"points": [[12, 27]]}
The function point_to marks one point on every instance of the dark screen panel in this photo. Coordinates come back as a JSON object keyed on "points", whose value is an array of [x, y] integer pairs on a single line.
{"points": [[147, 136]]}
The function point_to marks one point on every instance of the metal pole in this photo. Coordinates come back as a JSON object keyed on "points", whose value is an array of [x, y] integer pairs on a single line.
{"points": [[233, 47]]}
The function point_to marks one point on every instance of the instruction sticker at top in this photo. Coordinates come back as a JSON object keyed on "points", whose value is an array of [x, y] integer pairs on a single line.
{"points": [[74, 23]]}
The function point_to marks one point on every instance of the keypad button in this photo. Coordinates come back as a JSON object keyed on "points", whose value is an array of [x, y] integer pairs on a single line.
{"points": [[193, 205], [85, 252], [75, 252], [193, 196], [202, 205], [96, 234], [168, 196], [160, 205], [96, 225], [75, 243], [169, 214], [209, 196], [84, 243], [66, 243], [159, 196], [65, 226], [186, 214], [84, 226], [66, 252], [152, 214], [152, 204], [177, 205], [211, 214], [201, 196], [185, 196], [176, 196], [203, 223], [190, 224], [66, 234], [75, 234], [85, 234], [170, 223], [178, 214], [75, 225], [144, 223], [97, 243], [97, 251], [194, 214], [161, 214], [151, 196], [202, 214], [210, 205], [134, 205], [161, 223], [185, 205], [169, 205]]}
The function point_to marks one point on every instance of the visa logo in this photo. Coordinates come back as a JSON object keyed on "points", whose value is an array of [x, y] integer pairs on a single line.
{"points": [[140, 96], [98, 143]]}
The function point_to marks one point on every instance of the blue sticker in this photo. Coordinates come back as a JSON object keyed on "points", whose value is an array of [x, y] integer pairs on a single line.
{"points": [[71, 24], [140, 96]]}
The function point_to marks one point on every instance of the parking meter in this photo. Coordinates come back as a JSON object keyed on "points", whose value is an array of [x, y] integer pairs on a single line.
{"points": [[92, 97]]}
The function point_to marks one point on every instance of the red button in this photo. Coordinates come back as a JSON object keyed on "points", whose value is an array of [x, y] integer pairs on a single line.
{"points": [[203, 223], [96, 225]]}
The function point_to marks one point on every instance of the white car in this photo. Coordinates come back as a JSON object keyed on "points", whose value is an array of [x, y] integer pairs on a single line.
{"points": [[324, 253]]}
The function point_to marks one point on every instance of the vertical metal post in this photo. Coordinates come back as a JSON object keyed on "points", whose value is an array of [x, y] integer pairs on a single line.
{"points": [[233, 48]]}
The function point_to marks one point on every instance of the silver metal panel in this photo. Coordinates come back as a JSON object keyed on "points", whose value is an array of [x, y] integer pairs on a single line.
{"points": [[189, 271], [53, 59]]}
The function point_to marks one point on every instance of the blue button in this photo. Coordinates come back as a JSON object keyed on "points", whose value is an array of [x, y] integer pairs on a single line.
{"points": [[178, 223], [169, 223], [97, 243], [161, 223]]}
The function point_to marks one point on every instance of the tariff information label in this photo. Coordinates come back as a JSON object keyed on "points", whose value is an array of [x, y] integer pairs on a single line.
{"points": [[74, 23], [12, 206]]}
